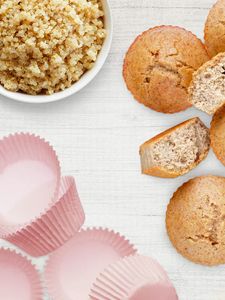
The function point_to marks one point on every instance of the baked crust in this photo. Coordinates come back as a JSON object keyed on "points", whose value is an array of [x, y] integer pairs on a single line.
{"points": [[215, 29], [217, 134], [158, 67], [195, 220], [159, 171]]}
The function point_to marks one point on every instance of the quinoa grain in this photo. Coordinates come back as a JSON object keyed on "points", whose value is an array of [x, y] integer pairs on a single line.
{"points": [[47, 45]]}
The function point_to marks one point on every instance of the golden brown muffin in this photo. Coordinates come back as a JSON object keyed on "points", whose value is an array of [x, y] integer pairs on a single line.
{"points": [[195, 220], [207, 89], [217, 134], [215, 29], [176, 151], [158, 67]]}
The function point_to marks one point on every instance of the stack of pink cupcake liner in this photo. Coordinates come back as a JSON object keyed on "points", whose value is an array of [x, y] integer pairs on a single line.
{"points": [[41, 213]]}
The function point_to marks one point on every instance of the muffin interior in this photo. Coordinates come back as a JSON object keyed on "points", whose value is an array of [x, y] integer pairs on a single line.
{"points": [[208, 91], [178, 150]]}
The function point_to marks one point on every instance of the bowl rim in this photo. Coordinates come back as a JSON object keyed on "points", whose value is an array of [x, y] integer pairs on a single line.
{"points": [[86, 78]]}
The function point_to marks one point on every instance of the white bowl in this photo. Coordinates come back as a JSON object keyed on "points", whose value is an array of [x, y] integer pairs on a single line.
{"points": [[83, 81]]}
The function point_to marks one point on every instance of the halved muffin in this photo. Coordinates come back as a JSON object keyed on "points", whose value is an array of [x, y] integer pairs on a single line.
{"points": [[176, 151]]}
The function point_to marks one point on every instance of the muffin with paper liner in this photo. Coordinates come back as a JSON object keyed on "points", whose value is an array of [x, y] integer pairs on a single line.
{"points": [[39, 211], [72, 269], [19, 279], [133, 278]]}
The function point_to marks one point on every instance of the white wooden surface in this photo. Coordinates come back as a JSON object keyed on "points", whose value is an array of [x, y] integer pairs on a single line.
{"points": [[97, 134]]}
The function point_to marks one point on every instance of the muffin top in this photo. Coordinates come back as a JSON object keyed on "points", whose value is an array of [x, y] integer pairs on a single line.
{"points": [[217, 134], [196, 220], [159, 65], [215, 29]]}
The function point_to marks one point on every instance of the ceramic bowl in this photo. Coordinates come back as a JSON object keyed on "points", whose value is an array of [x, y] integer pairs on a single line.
{"points": [[83, 81]]}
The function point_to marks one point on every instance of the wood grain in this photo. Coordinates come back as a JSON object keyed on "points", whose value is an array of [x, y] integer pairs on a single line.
{"points": [[97, 134]]}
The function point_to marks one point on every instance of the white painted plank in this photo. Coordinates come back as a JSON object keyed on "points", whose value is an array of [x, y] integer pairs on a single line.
{"points": [[97, 134]]}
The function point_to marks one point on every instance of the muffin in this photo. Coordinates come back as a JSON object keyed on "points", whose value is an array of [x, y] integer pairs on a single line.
{"points": [[207, 89], [215, 29], [176, 151], [217, 133], [195, 220], [158, 67]]}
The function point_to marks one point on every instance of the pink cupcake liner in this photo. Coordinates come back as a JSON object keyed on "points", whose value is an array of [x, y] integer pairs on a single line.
{"points": [[19, 280], [72, 269], [29, 180], [56, 226], [133, 278]]}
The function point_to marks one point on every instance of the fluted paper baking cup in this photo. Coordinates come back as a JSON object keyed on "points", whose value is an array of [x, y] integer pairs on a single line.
{"points": [[56, 226], [72, 269], [133, 278], [29, 180], [19, 280]]}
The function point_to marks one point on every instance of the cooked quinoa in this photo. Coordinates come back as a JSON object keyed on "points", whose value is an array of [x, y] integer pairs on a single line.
{"points": [[47, 45]]}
